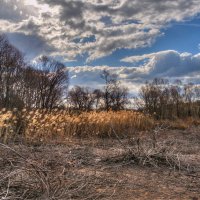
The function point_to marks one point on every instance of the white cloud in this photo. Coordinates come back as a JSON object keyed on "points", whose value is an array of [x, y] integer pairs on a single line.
{"points": [[97, 28], [16, 10], [168, 63], [113, 24], [165, 64]]}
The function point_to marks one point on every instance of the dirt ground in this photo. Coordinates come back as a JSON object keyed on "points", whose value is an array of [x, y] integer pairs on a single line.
{"points": [[105, 168]]}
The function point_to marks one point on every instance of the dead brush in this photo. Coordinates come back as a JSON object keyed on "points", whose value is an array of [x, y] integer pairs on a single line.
{"points": [[182, 124], [23, 175], [150, 152]]}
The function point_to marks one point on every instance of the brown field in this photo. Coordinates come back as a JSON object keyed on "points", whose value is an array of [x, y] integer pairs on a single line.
{"points": [[123, 155]]}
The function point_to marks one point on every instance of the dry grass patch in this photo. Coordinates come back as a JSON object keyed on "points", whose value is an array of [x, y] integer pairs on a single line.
{"points": [[41, 125]]}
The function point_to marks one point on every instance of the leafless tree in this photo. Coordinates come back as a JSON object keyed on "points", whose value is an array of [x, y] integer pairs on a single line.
{"points": [[53, 82], [165, 100], [189, 95], [98, 94], [29, 88], [150, 93], [176, 96], [115, 96], [156, 97], [41, 86], [81, 98], [197, 98], [11, 63]]}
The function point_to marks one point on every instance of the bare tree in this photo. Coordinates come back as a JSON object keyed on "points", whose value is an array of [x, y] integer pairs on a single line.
{"points": [[197, 98], [53, 81], [81, 98], [43, 86], [98, 94], [11, 63], [156, 97], [29, 89], [149, 93], [164, 100], [189, 95], [115, 96], [176, 96]]}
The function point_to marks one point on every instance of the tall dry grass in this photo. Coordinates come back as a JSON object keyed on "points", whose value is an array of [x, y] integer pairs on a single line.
{"points": [[41, 125]]}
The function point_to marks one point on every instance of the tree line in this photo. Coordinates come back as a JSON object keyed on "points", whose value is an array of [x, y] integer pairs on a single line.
{"points": [[21, 85], [166, 100], [113, 96], [44, 85]]}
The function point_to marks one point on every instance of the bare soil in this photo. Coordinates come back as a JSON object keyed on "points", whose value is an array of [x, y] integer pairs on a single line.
{"points": [[104, 168]]}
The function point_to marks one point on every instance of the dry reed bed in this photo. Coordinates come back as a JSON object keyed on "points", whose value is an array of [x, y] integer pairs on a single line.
{"points": [[43, 125]]}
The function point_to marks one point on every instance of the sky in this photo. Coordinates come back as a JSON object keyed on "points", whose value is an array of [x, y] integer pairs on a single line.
{"points": [[136, 39]]}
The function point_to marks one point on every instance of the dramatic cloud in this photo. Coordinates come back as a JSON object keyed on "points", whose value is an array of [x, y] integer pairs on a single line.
{"points": [[16, 10], [95, 28], [90, 76], [92, 29], [37, 44], [169, 64]]}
